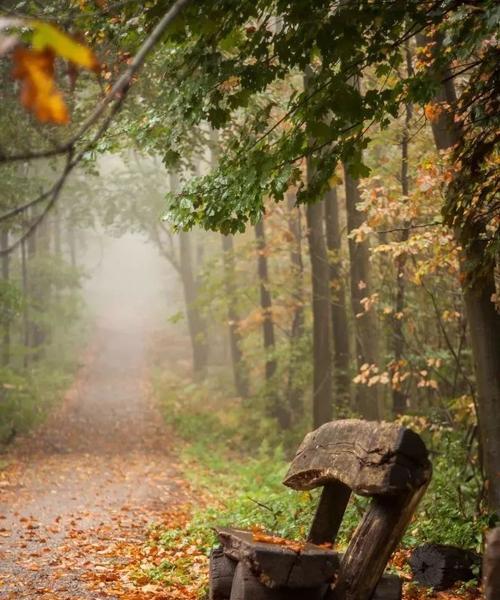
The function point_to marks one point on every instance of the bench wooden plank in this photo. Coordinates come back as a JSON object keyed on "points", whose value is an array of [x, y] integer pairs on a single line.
{"points": [[246, 586], [279, 566], [373, 542], [329, 514], [369, 457]]}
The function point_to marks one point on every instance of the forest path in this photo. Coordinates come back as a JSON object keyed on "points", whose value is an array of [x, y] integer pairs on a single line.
{"points": [[78, 493], [93, 477]]}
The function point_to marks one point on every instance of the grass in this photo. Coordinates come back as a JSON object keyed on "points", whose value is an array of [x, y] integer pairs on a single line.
{"points": [[236, 472]]}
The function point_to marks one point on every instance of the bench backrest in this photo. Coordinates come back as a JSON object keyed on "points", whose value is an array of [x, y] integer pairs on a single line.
{"points": [[382, 460]]}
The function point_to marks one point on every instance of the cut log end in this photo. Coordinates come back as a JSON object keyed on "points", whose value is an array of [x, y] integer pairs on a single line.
{"points": [[440, 566]]}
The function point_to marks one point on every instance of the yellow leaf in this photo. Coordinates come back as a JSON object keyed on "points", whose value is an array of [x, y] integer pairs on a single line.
{"points": [[334, 181], [48, 36], [39, 94]]}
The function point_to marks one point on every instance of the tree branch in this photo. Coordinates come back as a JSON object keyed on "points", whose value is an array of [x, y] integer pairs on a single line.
{"points": [[115, 96]]}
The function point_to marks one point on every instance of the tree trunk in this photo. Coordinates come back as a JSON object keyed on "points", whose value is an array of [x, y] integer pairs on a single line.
{"points": [[340, 325], [482, 317], [72, 246], [276, 409], [367, 399], [399, 398], [34, 296], [4, 244], [265, 300], [322, 343], [322, 334], [57, 232], [239, 369], [295, 387], [26, 315], [196, 323]]}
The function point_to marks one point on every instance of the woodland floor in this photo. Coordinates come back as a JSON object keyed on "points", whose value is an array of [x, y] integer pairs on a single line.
{"points": [[76, 496]]}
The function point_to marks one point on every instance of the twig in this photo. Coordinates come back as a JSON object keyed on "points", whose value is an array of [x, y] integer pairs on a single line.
{"points": [[116, 95], [408, 227], [120, 90]]}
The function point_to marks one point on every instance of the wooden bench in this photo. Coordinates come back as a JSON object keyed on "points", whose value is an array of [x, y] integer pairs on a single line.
{"points": [[384, 461]]}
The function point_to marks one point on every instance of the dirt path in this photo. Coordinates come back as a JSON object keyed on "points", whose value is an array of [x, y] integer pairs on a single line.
{"points": [[95, 475], [77, 495]]}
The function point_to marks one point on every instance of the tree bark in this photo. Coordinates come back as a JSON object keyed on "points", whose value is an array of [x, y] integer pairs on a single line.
{"points": [[4, 244], [295, 387], [482, 317], [239, 369], [399, 398], [275, 406], [340, 325], [367, 399], [196, 323], [34, 296], [322, 343], [72, 246], [26, 315], [57, 232], [265, 300]]}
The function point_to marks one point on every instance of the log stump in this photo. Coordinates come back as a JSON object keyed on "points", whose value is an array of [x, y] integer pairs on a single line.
{"points": [[440, 566]]}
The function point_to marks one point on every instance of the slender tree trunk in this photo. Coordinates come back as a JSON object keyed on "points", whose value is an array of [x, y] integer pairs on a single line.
{"points": [[399, 397], [295, 387], [275, 406], [239, 369], [482, 317], [72, 246], [26, 314], [33, 295], [322, 343], [340, 325], [265, 300], [321, 306], [4, 244], [57, 232], [367, 399], [196, 323]]}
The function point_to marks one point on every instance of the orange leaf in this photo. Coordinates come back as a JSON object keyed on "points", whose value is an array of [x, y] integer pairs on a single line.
{"points": [[35, 69]]}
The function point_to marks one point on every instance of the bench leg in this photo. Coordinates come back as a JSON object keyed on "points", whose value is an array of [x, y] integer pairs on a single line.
{"points": [[221, 574], [373, 543]]}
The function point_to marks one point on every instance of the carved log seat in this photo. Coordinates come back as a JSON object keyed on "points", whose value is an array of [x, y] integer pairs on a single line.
{"points": [[384, 461]]}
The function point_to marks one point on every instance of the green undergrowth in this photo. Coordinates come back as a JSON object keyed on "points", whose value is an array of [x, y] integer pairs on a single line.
{"points": [[241, 480], [28, 394], [26, 398]]}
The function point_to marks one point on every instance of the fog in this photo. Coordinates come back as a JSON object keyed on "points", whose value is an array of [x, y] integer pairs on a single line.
{"points": [[128, 284]]}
